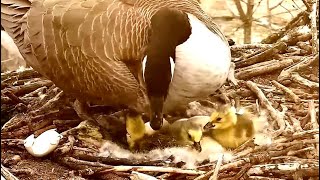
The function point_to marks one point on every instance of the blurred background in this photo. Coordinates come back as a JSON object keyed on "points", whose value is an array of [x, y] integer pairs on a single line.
{"points": [[267, 16]]}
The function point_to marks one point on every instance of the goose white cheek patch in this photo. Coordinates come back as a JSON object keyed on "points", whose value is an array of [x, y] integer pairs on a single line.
{"points": [[144, 61]]}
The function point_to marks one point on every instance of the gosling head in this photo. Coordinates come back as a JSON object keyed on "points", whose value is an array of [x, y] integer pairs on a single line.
{"points": [[223, 118], [169, 28], [191, 134]]}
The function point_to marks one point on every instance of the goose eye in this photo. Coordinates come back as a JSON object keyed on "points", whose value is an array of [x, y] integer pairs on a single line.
{"points": [[189, 136], [218, 119]]}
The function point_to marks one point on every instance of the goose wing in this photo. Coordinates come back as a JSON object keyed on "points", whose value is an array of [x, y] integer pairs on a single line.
{"points": [[84, 46], [13, 20]]}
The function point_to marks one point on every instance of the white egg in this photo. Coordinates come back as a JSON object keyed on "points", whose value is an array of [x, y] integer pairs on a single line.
{"points": [[44, 144]]}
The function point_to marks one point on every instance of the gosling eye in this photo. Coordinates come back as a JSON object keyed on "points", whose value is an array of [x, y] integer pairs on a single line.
{"points": [[218, 119]]}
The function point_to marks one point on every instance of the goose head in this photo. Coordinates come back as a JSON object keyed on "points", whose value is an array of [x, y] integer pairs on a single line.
{"points": [[169, 28]]}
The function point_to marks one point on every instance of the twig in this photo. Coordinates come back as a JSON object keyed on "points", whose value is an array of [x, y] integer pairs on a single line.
{"points": [[7, 175], [216, 169], [249, 46], [263, 56], [14, 123], [306, 47], [36, 92], [295, 22], [296, 124], [27, 88], [307, 61], [14, 97], [50, 104], [67, 147], [293, 153], [264, 102], [140, 176], [295, 77], [285, 168], [297, 135], [313, 119], [242, 172], [313, 16], [83, 155], [16, 143], [258, 69], [294, 36], [286, 90], [263, 178], [28, 73], [156, 169]]}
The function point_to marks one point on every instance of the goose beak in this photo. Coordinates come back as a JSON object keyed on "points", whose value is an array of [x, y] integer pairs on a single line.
{"points": [[156, 120]]}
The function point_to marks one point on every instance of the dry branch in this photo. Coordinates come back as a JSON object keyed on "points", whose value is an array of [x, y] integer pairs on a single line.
{"points": [[313, 16], [107, 168], [265, 102], [27, 88], [295, 77], [286, 90], [262, 68], [305, 62], [263, 56], [309, 170], [299, 20]]}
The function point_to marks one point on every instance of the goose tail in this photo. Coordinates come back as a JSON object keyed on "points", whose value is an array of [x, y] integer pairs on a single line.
{"points": [[14, 22], [13, 18]]}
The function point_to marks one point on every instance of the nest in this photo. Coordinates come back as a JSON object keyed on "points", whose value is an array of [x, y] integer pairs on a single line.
{"points": [[280, 76]]}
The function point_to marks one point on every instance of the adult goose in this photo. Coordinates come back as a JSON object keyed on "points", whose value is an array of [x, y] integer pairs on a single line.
{"points": [[152, 56]]}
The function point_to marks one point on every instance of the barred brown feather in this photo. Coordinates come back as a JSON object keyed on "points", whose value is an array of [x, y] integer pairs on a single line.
{"points": [[91, 49]]}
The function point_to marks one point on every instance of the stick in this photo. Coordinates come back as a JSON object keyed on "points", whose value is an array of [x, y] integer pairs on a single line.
{"points": [[258, 69], [27, 73], [140, 176], [295, 22], [264, 102], [293, 153], [307, 5], [305, 62], [313, 119], [308, 170], [216, 169], [297, 135], [249, 46], [295, 77], [27, 88], [156, 169], [50, 104], [7, 175], [263, 178], [313, 16], [286, 90], [262, 56], [14, 98]]}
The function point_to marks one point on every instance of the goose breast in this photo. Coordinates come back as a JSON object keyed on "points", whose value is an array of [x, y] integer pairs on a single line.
{"points": [[201, 66]]}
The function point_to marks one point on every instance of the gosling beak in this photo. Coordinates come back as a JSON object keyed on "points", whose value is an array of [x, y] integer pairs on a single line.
{"points": [[156, 120], [208, 126], [197, 146]]}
